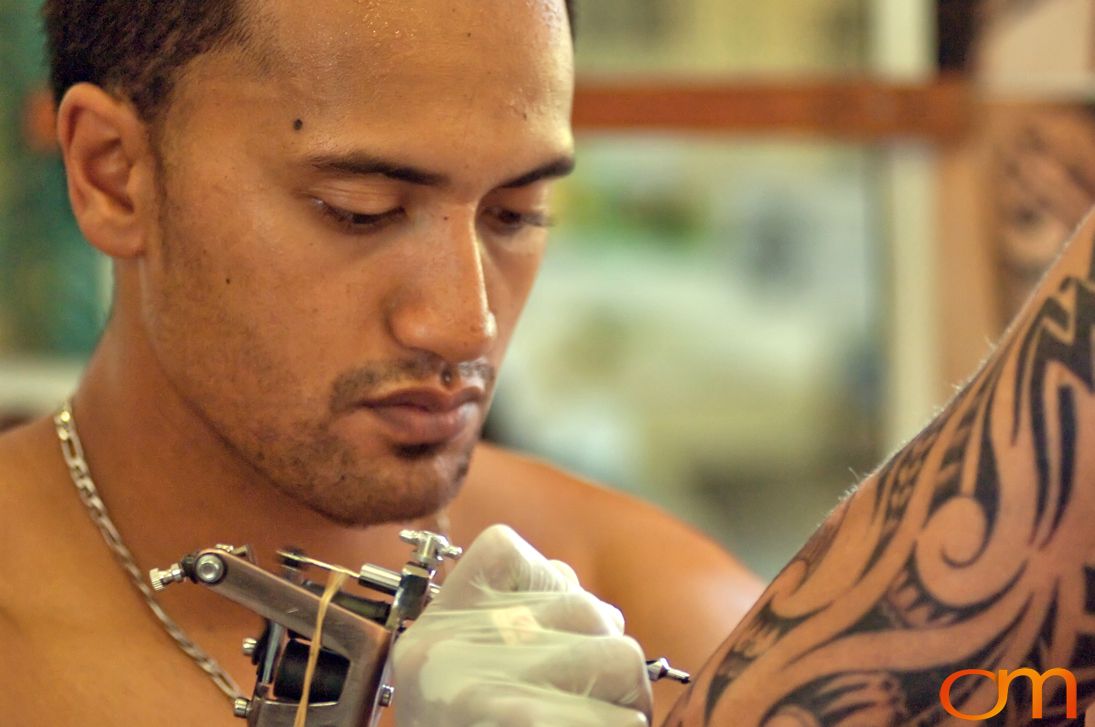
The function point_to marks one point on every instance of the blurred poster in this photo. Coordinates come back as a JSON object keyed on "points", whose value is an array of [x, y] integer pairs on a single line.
{"points": [[1042, 184], [1035, 60]]}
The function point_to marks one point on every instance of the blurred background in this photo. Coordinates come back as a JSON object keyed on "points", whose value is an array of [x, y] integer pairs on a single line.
{"points": [[795, 227]]}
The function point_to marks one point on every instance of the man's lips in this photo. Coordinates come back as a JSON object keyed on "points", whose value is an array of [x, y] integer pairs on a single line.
{"points": [[426, 415]]}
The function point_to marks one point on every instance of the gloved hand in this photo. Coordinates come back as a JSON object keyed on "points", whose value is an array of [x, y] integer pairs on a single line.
{"points": [[514, 640]]}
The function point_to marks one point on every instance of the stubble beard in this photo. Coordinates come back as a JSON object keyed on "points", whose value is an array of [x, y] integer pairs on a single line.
{"points": [[326, 475]]}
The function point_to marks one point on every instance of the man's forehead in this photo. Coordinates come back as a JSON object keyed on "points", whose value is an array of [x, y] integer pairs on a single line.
{"points": [[332, 27], [417, 83], [327, 51]]}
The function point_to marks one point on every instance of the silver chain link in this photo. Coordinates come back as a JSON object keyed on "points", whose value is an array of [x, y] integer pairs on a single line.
{"points": [[73, 452]]}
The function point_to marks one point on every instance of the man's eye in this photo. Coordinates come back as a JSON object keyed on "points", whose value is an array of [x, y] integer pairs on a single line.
{"points": [[510, 222], [359, 222]]}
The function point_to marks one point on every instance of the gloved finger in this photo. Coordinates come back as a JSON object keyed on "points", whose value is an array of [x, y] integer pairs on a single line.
{"points": [[521, 618], [579, 612], [499, 560], [567, 572], [609, 669], [461, 684], [522, 705], [572, 578]]}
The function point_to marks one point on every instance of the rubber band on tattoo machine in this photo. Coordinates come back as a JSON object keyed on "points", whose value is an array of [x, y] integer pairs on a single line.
{"points": [[334, 582]]}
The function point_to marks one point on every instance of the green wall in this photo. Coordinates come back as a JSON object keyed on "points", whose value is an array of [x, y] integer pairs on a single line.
{"points": [[50, 279]]}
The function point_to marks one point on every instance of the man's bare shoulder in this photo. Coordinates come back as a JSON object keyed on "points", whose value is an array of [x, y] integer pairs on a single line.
{"points": [[556, 510], [504, 480], [11, 523], [14, 443], [544, 501], [26, 541], [32, 518], [22, 470], [45, 532]]}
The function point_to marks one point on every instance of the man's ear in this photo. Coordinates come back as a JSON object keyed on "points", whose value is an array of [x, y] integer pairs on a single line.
{"points": [[109, 166]]}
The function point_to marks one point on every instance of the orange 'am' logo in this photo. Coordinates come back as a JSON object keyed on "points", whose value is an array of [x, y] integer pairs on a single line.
{"points": [[1003, 680]]}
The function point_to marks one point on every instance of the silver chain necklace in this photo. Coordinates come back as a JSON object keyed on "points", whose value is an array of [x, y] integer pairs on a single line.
{"points": [[73, 452]]}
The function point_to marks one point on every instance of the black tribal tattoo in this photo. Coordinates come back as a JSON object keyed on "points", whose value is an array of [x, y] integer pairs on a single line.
{"points": [[971, 548]]}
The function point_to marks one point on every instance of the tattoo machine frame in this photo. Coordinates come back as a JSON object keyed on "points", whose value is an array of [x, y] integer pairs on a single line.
{"points": [[349, 686]]}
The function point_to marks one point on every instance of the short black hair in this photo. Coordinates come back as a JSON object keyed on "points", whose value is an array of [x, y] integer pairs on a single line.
{"points": [[138, 47]]}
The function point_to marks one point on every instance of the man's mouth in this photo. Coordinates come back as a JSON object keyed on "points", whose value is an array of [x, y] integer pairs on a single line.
{"points": [[423, 416]]}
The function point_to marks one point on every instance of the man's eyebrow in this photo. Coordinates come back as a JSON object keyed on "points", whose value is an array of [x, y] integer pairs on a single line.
{"points": [[365, 165], [556, 168]]}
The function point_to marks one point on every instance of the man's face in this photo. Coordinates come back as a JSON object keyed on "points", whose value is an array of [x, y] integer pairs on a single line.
{"points": [[352, 216]]}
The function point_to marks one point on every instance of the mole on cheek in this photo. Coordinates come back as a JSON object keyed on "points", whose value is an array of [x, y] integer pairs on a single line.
{"points": [[298, 124]]}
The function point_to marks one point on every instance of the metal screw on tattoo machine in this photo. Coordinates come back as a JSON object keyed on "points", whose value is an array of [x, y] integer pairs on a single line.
{"points": [[348, 685]]}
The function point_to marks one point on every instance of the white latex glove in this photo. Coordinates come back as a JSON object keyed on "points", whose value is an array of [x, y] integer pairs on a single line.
{"points": [[514, 640]]}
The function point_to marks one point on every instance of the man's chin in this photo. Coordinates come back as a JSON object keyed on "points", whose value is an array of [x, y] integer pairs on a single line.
{"points": [[414, 483]]}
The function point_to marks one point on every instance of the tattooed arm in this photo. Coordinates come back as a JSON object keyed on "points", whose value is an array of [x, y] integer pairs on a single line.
{"points": [[973, 547]]}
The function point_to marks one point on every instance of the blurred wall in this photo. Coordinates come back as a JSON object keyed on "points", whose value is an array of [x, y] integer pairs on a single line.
{"points": [[52, 284]]}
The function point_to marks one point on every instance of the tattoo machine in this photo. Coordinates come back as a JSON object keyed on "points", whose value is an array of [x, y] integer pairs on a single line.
{"points": [[349, 685]]}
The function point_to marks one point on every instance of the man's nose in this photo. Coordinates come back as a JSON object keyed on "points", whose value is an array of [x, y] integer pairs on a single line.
{"points": [[443, 306]]}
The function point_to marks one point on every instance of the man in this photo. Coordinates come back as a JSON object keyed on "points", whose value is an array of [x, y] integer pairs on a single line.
{"points": [[324, 219], [971, 550]]}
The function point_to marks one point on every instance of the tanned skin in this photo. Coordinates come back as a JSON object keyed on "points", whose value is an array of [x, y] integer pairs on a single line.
{"points": [[972, 547], [351, 208]]}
